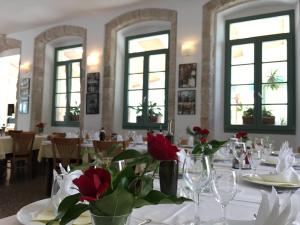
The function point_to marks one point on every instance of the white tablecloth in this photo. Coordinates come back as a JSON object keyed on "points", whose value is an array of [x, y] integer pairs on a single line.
{"points": [[243, 207]]}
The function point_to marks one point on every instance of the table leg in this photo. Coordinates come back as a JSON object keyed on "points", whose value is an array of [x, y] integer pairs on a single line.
{"points": [[2, 171], [49, 177]]}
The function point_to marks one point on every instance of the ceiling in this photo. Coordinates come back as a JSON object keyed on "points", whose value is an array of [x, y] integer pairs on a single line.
{"points": [[26, 14]]}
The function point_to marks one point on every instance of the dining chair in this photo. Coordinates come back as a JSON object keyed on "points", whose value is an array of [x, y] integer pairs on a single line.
{"points": [[22, 151], [56, 135], [66, 151], [11, 132], [103, 146]]}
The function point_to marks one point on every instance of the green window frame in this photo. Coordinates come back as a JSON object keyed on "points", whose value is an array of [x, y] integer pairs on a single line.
{"points": [[144, 123], [69, 120], [258, 126]]}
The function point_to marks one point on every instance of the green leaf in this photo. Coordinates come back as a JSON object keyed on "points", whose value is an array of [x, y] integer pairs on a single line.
{"points": [[128, 154], [156, 197], [197, 149], [118, 203], [127, 173], [67, 203], [73, 212], [189, 131]]}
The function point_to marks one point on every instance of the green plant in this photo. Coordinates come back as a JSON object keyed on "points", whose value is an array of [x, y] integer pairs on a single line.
{"points": [[153, 110], [138, 109], [273, 80], [266, 113], [74, 111], [249, 112]]}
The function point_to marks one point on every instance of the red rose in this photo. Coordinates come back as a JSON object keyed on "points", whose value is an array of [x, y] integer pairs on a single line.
{"points": [[197, 130], [93, 183], [203, 140], [204, 132], [160, 148], [241, 134]]}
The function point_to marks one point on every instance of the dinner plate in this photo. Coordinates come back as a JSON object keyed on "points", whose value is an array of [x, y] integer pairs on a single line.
{"points": [[256, 179], [26, 213], [273, 162]]}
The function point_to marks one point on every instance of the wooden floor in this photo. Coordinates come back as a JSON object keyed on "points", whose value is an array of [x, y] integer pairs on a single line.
{"points": [[20, 191]]}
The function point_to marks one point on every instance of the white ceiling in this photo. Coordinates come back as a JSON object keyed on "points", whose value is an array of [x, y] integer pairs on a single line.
{"points": [[18, 15]]}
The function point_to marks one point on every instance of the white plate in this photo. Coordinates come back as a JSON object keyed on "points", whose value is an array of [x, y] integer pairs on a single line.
{"points": [[273, 162], [26, 213], [231, 222], [256, 179]]}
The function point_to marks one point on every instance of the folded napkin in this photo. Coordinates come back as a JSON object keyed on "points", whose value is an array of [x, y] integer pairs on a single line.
{"points": [[119, 137], [271, 212], [181, 155], [138, 139]]}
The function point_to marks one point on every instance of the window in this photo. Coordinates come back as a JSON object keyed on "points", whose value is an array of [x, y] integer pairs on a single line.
{"points": [[260, 73], [66, 98], [146, 79]]}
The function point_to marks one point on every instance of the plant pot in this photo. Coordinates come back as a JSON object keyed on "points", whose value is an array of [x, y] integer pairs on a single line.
{"points": [[268, 120], [153, 119], [139, 119], [111, 220], [248, 120], [168, 177], [74, 117]]}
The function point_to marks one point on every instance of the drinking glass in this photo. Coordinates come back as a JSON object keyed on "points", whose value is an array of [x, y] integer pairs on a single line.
{"points": [[196, 174], [255, 159], [224, 187], [239, 152]]}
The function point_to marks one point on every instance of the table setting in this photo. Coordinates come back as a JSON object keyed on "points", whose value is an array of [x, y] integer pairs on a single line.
{"points": [[207, 192]]}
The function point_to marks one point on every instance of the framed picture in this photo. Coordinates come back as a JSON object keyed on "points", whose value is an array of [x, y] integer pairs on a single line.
{"points": [[187, 75], [24, 87], [187, 102], [24, 105], [93, 82], [92, 103]]}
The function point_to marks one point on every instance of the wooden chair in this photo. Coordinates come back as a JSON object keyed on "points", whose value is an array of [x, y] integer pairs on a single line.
{"points": [[22, 150], [65, 151], [102, 147], [12, 132], [56, 135]]}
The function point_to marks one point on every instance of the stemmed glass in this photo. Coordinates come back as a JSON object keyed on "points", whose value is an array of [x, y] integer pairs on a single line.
{"points": [[224, 187], [239, 152], [255, 159], [196, 174]]}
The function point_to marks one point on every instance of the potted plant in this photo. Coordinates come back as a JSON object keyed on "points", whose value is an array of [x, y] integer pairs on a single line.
{"points": [[248, 116], [153, 112], [267, 117], [139, 110], [74, 113]]}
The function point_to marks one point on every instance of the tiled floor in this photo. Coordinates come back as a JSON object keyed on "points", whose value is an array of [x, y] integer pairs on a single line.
{"points": [[22, 191]]}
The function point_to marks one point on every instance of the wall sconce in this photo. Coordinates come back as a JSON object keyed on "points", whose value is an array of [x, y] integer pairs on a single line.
{"points": [[25, 68], [93, 60], [188, 48]]}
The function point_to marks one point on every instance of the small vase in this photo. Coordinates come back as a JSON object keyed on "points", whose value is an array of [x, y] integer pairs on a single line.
{"points": [[168, 176], [40, 130], [111, 220]]}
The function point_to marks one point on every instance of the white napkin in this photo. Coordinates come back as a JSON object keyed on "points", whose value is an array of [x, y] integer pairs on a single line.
{"points": [[191, 141], [271, 212], [138, 139], [119, 137], [181, 155]]}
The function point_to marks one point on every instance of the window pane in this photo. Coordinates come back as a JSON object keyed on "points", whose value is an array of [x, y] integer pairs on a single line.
{"points": [[69, 54], [242, 74], [149, 43], [157, 80], [61, 86], [260, 27], [242, 114], [61, 100], [60, 114], [242, 54], [75, 99], [135, 98], [135, 81], [276, 72], [157, 63], [242, 94], [61, 72], [75, 85], [136, 65], [76, 69], [156, 96], [133, 117], [274, 93], [274, 51], [275, 115]]}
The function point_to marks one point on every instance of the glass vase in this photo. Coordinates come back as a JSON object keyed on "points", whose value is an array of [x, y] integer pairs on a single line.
{"points": [[111, 220], [168, 177]]}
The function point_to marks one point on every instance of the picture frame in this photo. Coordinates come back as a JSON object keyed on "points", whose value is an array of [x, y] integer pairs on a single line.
{"points": [[187, 102], [92, 103], [187, 75], [24, 87], [24, 105], [93, 82]]}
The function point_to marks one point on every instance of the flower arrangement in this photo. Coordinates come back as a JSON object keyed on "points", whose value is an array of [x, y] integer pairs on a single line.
{"points": [[106, 192], [40, 125], [242, 135], [202, 145]]}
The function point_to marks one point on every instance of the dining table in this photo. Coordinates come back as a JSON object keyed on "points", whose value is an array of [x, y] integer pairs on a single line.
{"points": [[240, 211]]}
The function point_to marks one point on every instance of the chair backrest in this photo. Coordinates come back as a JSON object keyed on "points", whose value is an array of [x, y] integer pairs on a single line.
{"points": [[12, 132], [56, 135], [102, 147], [22, 143], [65, 150]]}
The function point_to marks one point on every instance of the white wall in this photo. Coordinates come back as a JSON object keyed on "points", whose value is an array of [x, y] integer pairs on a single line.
{"points": [[189, 29]]}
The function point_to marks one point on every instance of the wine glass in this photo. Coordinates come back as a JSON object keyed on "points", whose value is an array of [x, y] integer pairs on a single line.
{"points": [[196, 174], [255, 159], [239, 152], [224, 187]]}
